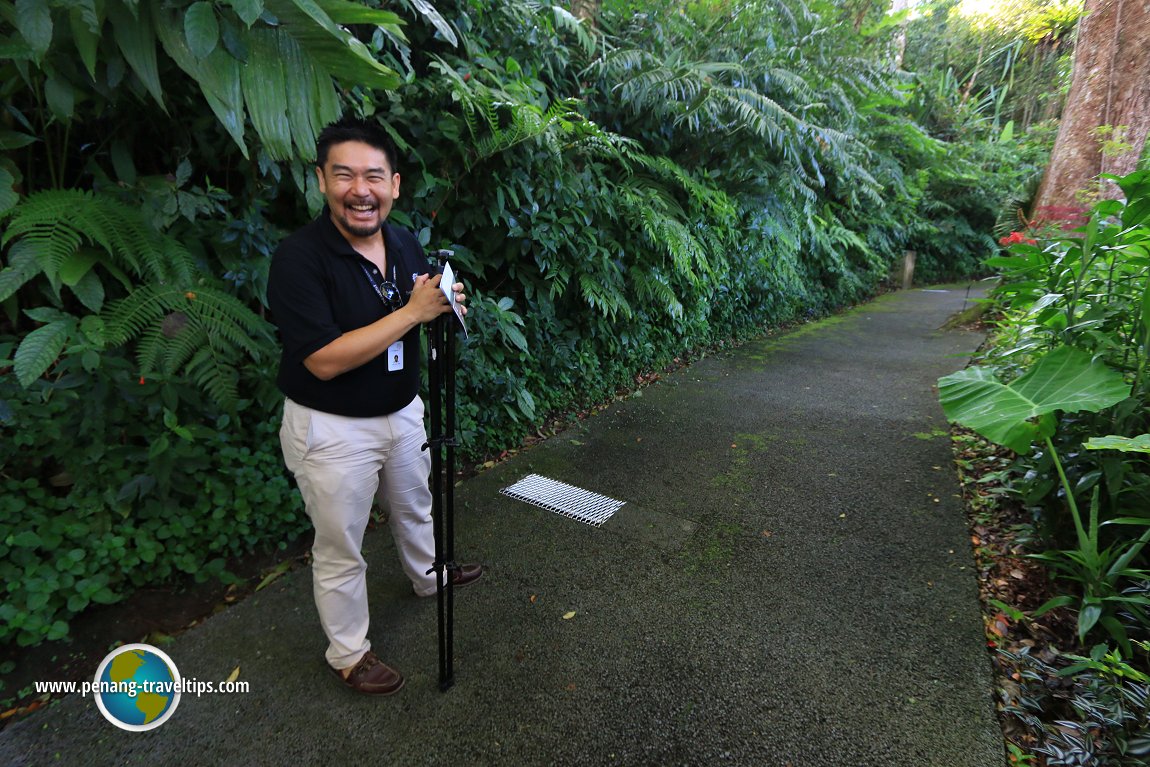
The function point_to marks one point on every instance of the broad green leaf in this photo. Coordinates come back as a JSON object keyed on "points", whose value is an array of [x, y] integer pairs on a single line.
{"points": [[8, 195], [93, 328], [22, 266], [90, 290], [433, 16], [39, 350], [34, 22], [1088, 615], [333, 49], [235, 40], [45, 314], [85, 34], [26, 539], [1146, 309], [201, 29], [218, 77], [345, 12], [515, 336], [137, 41], [1066, 379], [77, 265], [265, 93], [61, 97], [303, 123], [1139, 444], [13, 140], [247, 10], [121, 155]]}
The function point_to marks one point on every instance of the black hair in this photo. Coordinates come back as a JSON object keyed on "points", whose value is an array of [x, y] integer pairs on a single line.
{"points": [[353, 129]]}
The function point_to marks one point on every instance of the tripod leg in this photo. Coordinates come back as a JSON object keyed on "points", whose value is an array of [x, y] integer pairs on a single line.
{"points": [[435, 444], [449, 490]]}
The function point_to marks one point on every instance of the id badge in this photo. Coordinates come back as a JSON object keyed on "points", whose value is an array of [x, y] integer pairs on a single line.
{"points": [[395, 357]]}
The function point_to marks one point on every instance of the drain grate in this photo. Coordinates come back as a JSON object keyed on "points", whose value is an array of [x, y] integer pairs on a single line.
{"points": [[567, 500]]}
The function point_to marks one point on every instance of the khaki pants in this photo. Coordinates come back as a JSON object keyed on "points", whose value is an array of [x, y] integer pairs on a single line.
{"points": [[341, 464]]}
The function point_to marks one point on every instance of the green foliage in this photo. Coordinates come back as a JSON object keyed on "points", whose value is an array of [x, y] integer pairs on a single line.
{"points": [[180, 322], [243, 57], [1086, 710], [1075, 321], [86, 520], [677, 176], [1065, 380]]}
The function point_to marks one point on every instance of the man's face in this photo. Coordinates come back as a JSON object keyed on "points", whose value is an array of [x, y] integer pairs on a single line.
{"points": [[360, 188]]}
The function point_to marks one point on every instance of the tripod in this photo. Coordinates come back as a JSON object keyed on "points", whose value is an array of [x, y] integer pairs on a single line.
{"points": [[441, 442]]}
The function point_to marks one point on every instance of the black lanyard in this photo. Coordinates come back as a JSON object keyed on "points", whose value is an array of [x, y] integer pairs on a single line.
{"points": [[379, 288]]}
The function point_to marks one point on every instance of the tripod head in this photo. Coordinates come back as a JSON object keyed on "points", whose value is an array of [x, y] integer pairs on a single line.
{"points": [[437, 258]]}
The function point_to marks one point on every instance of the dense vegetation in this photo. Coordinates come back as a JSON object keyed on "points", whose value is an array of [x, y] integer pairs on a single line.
{"points": [[675, 177], [1064, 386]]}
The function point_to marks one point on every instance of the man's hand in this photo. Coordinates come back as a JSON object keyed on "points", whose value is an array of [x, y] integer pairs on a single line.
{"points": [[358, 346], [427, 300]]}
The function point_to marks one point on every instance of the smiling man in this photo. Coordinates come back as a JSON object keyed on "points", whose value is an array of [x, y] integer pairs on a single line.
{"points": [[349, 292]]}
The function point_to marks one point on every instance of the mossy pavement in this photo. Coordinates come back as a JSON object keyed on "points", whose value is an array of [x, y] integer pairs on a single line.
{"points": [[790, 582]]}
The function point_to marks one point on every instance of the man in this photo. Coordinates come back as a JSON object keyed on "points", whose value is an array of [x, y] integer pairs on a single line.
{"points": [[350, 371]]}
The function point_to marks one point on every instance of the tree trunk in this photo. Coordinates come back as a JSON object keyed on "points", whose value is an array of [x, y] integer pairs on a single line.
{"points": [[1110, 87], [585, 10], [898, 6]]}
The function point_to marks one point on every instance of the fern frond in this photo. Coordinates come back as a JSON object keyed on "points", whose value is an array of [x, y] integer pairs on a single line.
{"points": [[567, 22], [58, 222], [215, 375], [22, 267]]}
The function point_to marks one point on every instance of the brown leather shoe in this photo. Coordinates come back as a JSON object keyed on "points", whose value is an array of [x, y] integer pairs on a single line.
{"points": [[371, 676], [466, 575]]}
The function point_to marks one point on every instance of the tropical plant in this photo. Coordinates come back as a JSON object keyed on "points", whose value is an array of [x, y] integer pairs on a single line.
{"points": [[1084, 710], [1063, 380], [183, 322]]}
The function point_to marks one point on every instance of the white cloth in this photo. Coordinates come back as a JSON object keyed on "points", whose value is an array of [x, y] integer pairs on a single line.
{"points": [[340, 463]]}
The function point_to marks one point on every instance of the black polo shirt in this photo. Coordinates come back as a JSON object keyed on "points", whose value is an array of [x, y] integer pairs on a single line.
{"points": [[317, 291]]}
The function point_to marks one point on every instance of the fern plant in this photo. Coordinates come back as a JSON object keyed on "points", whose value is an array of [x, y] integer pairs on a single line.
{"points": [[178, 320]]}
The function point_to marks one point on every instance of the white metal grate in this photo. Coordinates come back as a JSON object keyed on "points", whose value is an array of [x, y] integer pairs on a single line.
{"points": [[567, 500]]}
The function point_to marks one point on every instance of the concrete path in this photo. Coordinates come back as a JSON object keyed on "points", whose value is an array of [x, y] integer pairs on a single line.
{"points": [[790, 582]]}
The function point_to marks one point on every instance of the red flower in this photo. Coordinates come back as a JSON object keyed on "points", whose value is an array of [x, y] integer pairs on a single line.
{"points": [[1016, 237], [141, 380]]}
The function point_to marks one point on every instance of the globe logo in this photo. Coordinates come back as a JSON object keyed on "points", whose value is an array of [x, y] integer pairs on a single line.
{"points": [[137, 687]]}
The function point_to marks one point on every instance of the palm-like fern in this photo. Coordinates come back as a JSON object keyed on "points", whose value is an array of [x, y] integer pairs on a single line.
{"points": [[270, 63], [179, 321]]}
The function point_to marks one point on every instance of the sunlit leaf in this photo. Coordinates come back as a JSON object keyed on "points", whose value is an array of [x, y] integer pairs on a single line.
{"points": [[1139, 444], [437, 20], [274, 573], [334, 49]]}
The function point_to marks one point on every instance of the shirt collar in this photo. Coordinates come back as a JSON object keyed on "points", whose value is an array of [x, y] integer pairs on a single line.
{"points": [[335, 240]]}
